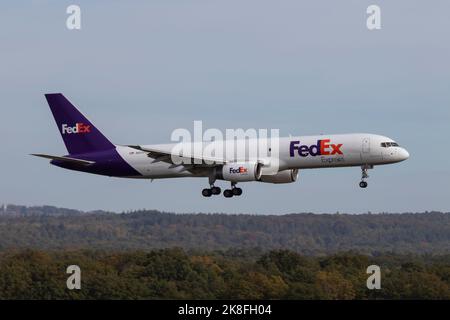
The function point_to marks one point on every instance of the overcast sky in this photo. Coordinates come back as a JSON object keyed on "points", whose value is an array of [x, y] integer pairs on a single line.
{"points": [[306, 67]]}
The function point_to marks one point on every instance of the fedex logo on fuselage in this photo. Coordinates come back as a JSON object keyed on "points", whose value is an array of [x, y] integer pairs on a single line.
{"points": [[78, 128], [322, 148]]}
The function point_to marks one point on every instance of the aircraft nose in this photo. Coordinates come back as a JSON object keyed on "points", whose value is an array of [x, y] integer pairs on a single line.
{"points": [[403, 154]]}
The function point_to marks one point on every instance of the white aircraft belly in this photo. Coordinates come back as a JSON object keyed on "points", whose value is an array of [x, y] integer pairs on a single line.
{"points": [[149, 169]]}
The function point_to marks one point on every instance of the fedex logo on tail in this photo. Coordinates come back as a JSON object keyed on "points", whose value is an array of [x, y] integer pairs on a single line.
{"points": [[322, 148], [78, 128]]}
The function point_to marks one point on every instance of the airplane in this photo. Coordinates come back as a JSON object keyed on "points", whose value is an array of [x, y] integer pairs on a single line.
{"points": [[90, 151]]}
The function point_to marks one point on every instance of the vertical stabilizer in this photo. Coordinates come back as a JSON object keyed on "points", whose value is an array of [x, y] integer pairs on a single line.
{"points": [[78, 133]]}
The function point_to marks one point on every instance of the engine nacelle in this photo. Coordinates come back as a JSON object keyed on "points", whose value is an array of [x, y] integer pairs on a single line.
{"points": [[241, 171], [285, 176]]}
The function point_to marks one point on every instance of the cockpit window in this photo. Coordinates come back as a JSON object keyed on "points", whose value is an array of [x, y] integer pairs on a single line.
{"points": [[389, 144]]}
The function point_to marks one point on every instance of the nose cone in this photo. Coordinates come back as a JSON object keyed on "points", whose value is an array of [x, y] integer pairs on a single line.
{"points": [[403, 154]]}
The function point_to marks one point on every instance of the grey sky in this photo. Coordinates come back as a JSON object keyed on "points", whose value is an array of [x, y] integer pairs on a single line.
{"points": [[306, 67]]}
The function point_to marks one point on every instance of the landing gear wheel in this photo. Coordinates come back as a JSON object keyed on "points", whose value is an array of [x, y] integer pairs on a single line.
{"points": [[216, 190], [364, 175], [228, 193], [237, 191], [206, 192]]}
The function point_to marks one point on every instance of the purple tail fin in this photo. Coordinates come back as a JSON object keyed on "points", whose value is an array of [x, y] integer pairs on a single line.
{"points": [[78, 133]]}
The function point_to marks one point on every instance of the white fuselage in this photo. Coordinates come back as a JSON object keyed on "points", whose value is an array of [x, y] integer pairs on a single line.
{"points": [[300, 152]]}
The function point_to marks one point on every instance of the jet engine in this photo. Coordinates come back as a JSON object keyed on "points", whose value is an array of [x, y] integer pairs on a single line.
{"points": [[285, 176], [240, 171]]}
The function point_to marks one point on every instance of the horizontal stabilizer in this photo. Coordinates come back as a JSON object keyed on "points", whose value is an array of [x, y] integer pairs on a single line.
{"points": [[65, 159]]}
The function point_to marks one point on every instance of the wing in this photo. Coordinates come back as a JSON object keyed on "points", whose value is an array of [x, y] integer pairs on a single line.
{"points": [[65, 159], [188, 161]]}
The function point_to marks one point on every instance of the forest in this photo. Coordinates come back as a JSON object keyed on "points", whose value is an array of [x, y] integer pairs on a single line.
{"points": [[234, 274], [50, 228], [149, 254]]}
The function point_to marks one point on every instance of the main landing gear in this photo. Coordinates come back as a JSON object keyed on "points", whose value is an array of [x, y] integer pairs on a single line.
{"points": [[234, 191], [228, 193], [208, 192], [213, 190], [364, 175]]}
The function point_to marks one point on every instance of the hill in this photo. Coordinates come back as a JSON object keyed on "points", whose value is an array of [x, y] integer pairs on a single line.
{"points": [[309, 234]]}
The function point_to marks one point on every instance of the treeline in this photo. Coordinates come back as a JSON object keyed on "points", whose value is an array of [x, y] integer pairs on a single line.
{"points": [[50, 228], [177, 274]]}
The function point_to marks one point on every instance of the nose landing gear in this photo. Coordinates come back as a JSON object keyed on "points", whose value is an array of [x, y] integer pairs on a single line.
{"points": [[364, 175]]}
